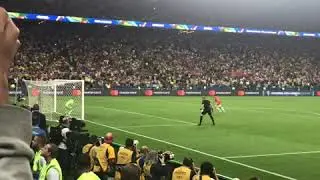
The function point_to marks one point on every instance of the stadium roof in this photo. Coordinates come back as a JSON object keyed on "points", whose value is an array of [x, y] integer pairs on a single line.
{"points": [[279, 14]]}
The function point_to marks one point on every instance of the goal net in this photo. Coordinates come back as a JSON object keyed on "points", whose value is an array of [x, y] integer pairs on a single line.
{"points": [[57, 97]]}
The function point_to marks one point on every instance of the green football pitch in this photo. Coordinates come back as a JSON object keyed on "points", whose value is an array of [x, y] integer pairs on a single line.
{"points": [[269, 137]]}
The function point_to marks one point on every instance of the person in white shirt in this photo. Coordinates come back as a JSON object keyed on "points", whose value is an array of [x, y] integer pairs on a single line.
{"points": [[63, 157]]}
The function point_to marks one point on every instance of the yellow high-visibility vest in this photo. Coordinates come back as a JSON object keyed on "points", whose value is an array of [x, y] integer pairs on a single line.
{"points": [[88, 176], [181, 173], [124, 156], [53, 164]]}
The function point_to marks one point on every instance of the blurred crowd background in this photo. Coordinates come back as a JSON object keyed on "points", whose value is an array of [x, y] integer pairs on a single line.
{"points": [[116, 57]]}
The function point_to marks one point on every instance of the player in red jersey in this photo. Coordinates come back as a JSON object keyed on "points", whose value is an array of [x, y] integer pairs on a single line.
{"points": [[218, 102]]}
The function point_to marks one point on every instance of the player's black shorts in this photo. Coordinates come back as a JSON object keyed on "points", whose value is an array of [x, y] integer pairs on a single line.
{"points": [[206, 111]]}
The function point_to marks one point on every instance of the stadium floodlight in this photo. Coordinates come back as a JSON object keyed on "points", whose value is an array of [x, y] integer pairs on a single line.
{"points": [[57, 97]]}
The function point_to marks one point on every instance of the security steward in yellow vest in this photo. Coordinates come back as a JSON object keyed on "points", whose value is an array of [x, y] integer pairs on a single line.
{"points": [[38, 162], [184, 172], [52, 170], [88, 149], [125, 156], [104, 157], [207, 172], [84, 166], [203, 177]]}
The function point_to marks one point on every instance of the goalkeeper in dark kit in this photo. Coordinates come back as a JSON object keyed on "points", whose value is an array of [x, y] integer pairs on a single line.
{"points": [[206, 108]]}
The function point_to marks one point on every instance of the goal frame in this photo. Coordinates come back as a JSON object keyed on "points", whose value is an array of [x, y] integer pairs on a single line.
{"points": [[54, 84]]}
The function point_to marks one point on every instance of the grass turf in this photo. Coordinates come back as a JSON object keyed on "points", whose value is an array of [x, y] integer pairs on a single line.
{"points": [[251, 126]]}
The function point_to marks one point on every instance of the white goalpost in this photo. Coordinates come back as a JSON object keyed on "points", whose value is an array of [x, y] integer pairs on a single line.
{"points": [[57, 97]]}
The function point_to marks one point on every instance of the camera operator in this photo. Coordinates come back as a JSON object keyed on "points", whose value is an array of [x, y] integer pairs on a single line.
{"points": [[130, 171], [126, 155], [64, 155], [184, 172], [207, 172], [156, 165], [150, 159], [162, 169], [104, 158], [142, 155], [89, 148]]}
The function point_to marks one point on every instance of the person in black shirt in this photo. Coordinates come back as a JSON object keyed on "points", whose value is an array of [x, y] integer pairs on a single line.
{"points": [[206, 109], [38, 118]]}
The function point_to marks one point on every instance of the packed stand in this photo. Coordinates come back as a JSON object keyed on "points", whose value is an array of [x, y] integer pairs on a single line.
{"points": [[67, 151], [117, 57]]}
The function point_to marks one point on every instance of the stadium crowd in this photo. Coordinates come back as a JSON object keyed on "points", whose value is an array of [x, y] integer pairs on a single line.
{"points": [[130, 57], [53, 160], [127, 57]]}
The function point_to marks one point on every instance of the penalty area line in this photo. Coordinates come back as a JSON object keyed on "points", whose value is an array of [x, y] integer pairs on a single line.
{"points": [[269, 155], [193, 150]]}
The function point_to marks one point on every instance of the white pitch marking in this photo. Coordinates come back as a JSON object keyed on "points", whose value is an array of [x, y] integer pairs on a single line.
{"points": [[317, 115], [159, 125], [147, 115], [268, 155], [194, 150]]}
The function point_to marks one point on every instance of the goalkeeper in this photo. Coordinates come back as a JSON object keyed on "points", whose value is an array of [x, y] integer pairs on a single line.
{"points": [[206, 108], [69, 107]]}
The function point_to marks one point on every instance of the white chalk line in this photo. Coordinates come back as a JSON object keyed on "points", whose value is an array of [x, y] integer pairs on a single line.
{"points": [[300, 113], [159, 125], [147, 115], [193, 150], [146, 126], [270, 155], [231, 157], [175, 125], [179, 146]]}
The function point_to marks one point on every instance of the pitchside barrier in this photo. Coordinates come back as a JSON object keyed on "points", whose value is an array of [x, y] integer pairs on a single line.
{"points": [[173, 163], [182, 92]]}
